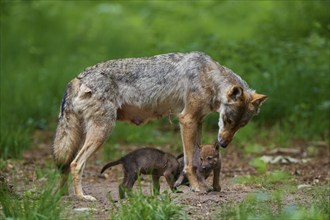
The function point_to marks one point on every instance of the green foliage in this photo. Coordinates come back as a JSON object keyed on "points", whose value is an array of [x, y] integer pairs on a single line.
{"points": [[36, 203], [142, 207], [271, 206], [266, 180], [279, 48], [259, 164]]}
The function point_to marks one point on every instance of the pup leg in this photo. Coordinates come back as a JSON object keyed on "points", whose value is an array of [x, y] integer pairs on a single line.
{"points": [[179, 181], [201, 179], [122, 190], [156, 185], [95, 136], [169, 176], [199, 133], [128, 184], [123, 186], [216, 179]]}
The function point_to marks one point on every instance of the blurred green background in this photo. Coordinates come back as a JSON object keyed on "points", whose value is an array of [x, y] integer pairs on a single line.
{"points": [[281, 48]]}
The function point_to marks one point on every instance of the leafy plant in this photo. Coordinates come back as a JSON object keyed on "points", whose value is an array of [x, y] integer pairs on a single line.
{"points": [[267, 180], [271, 206], [43, 203], [139, 206]]}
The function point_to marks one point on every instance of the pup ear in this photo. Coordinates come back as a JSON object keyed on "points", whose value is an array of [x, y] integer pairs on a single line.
{"points": [[235, 93], [216, 145], [258, 99]]}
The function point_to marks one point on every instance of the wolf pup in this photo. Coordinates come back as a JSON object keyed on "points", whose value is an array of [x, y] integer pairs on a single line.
{"points": [[147, 161], [189, 85], [206, 159]]}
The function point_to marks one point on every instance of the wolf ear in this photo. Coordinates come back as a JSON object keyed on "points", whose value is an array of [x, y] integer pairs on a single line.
{"points": [[235, 93], [258, 99]]}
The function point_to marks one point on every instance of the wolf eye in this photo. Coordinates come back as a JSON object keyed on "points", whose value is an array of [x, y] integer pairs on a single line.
{"points": [[201, 159], [229, 121], [209, 158]]}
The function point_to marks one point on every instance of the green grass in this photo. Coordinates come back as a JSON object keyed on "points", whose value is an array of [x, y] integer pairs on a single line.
{"points": [[271, 206], [141, 207], [39, 202], [279, 198], [266, 180]]}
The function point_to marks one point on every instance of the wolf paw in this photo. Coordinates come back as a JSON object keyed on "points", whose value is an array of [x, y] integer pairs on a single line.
{"points": [[87, 198], [205, 188], [217, 188], [195, 189]]}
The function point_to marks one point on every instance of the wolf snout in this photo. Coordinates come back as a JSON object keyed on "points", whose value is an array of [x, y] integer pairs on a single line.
{"points": [[223, 143]]}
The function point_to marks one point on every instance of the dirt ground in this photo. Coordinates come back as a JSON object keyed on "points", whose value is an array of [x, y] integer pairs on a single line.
{"points": [[314, 171]]}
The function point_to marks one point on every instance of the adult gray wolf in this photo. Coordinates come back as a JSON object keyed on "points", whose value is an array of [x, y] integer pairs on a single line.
{"points": [[189, 85], [148, 161]]}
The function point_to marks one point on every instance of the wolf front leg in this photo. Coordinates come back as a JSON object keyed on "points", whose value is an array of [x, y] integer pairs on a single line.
{"points": [[199, 133], [189, 133]]}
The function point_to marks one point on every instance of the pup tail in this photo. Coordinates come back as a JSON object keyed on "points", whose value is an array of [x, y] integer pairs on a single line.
{"points": [[111, 164], [179, 156], [69, 133]]}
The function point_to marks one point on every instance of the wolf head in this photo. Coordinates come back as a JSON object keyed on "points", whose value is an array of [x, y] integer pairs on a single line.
{"points": [[236, 109]]}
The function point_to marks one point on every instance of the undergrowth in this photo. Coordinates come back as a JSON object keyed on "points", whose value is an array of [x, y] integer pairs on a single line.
{"points": [[143, 207], [271, 205], [39, 202]]}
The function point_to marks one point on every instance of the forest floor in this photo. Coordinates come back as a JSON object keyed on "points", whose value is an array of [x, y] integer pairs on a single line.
{"points": [[307, 166]]}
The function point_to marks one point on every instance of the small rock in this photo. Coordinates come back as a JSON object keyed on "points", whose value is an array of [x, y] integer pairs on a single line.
{"points": [[103, 176], [304, 186], [84, 209]]}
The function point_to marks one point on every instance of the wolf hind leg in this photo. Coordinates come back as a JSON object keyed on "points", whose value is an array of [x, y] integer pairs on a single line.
{"points": [[97, 132]]}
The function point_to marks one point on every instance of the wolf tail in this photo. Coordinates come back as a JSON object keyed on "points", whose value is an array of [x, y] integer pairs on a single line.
{"points": [[111, 164], [69, 133]]}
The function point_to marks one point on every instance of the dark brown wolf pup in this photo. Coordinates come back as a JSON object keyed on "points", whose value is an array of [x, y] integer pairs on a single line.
{"points": [[148, 161]]}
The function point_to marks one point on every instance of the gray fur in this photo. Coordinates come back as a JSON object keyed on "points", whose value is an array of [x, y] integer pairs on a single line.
{"points": [[189, 85]]}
